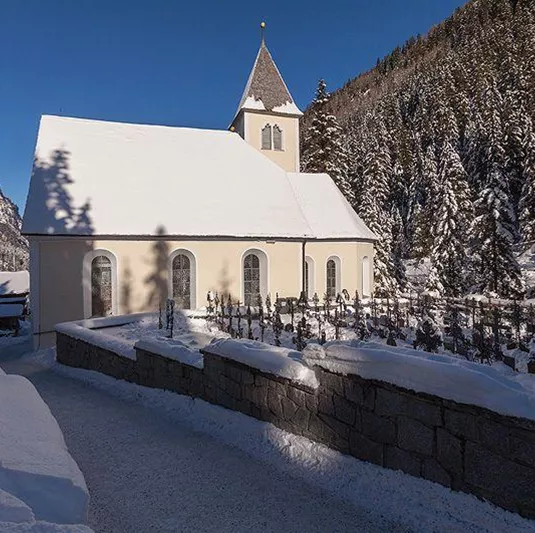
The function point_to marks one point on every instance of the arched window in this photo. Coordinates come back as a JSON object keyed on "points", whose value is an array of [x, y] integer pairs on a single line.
{"points": [[251, 279], [366, 275], [266, 137], [331, 278], [182, 281], [182, 278], [310, 273], [101, 286], [277, 138]]}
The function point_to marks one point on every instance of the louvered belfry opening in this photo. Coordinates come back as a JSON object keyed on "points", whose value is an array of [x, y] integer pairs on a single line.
{"points": [[251, 279], [277, 138], [101, 286], [331, 278], [182, 281], [266, 137]]}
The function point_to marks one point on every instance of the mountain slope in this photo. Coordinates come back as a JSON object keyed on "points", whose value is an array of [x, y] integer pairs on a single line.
{"points": [[447, 123], [13, 247]]}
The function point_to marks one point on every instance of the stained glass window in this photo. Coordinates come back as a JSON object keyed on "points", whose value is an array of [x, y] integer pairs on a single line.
{"points": [[182, 281], [101, 286], [331, 278], [251, 279]]}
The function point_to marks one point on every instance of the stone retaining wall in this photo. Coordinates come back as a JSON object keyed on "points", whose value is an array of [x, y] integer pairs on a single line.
{"points": [[465, 447]]}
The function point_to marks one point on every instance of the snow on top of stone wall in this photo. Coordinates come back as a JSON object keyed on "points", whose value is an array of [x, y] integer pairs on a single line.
{"points": [[494, 388], [184, 348], [274, 360], [77, 330]]}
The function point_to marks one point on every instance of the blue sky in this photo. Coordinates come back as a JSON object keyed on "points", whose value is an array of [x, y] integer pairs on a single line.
{"points": [[176, 62]]}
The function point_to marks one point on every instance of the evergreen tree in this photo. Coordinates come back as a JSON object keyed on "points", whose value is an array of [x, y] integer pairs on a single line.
{"points": [[426, 213], [498, 270], [449, 257], [374, 212], [527, 200], [323, 149]]}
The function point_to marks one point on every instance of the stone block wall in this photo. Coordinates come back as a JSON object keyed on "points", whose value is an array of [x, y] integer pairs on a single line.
{"points": [[464, 447]]}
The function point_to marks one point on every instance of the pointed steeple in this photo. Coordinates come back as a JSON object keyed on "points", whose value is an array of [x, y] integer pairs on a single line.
{"points": [[265, 89], [267, 117]]}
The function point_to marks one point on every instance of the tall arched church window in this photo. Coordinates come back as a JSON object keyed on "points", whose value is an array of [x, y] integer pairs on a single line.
{"points": [[182, 281], [366, 276], [101, 286], [277, 138], [331, 278], [307, 280], [266, 137], [251, 279]]}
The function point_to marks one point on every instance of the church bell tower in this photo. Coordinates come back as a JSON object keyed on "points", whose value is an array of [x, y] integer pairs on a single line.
{"points": [[267, 117]]}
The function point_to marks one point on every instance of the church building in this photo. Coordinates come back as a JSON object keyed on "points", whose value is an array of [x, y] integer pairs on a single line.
{"points": [[122, 216]]}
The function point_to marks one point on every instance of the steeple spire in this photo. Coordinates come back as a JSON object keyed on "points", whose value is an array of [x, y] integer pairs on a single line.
{"points": [[265, 89], [267, 117]]}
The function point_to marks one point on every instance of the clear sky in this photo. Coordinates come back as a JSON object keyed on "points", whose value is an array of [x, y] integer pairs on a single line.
{"points": [[177, 62]]}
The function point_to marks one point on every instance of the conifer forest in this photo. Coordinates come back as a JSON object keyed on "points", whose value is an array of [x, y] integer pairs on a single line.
{"points": [[435, 150]]}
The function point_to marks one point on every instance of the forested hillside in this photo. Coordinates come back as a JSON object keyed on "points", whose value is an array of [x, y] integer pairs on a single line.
{"points": [[13, 247], [435, 148]]}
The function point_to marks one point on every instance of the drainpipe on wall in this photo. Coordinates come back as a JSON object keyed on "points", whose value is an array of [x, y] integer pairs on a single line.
{"points": [[303, 263]]}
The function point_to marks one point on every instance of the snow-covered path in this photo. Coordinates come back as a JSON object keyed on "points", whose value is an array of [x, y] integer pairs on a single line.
{"points": [[157, 461], [145, 473]]}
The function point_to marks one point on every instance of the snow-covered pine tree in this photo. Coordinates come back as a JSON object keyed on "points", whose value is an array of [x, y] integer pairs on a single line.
{"points": [[527, 200], [498, 270], [374, 211], [429, 187], [494, 227], [323, 148], [449, 255]]}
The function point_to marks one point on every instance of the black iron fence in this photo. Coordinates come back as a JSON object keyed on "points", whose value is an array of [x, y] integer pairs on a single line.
{"points": [[478, 329]]}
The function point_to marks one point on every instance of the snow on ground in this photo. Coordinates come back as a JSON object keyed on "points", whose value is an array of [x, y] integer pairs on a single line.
{"points": [[35, 465], [496, 388], [14, 282], [271, 359], [156, 459]]}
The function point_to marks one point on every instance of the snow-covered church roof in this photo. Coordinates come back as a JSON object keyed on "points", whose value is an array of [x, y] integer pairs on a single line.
{"points": [[92, 177], [265, 89]]}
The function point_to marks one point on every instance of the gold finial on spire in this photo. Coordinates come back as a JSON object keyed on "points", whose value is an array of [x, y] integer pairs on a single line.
{"points": [[262, 30]]}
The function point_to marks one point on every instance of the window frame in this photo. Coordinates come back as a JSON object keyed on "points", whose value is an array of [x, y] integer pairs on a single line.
{"points": [[338, 275], [263, 275], [269, 137], [281, 138], [87, 281], [192, 279]]}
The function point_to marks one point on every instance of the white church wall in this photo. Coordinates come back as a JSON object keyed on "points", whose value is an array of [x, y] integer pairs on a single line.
{"points": [[142, 272], [348, 257]]}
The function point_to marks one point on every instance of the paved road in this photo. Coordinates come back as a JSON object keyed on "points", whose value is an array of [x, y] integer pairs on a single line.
{"points": [[146, 473]]}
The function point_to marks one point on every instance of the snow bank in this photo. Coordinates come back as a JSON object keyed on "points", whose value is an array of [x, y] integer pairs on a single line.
{"points": [[184, 348], [441, 375], [14, 282], [274, 360], [35, 465]]}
